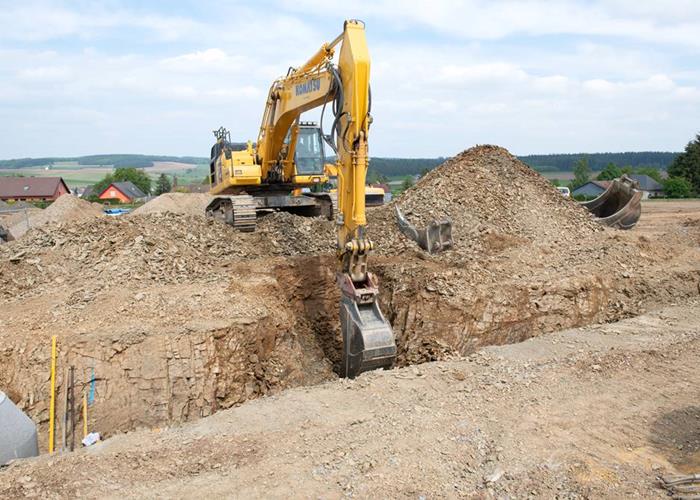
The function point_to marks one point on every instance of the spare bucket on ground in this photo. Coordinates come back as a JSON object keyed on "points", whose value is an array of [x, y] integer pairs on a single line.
{"points": [[434, 238], [619, 206]]}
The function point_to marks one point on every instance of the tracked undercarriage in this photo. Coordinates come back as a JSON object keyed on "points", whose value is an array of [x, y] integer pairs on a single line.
{"points": [[240, 210]]}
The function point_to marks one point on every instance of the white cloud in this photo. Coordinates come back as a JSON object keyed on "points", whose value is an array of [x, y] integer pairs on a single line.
{"points": [[486, 72], [34, 21], [445, 75], [647, 20], [44, 74]]}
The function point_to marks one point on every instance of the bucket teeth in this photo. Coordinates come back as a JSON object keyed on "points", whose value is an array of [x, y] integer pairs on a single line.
{"points": [[436, 237]]}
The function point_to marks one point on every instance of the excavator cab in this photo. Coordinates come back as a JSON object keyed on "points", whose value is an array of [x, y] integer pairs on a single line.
{"points": [[309, 157]]}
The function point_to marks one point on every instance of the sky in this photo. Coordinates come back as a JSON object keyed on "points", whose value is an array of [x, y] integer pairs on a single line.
{"points": [[118, 76]]}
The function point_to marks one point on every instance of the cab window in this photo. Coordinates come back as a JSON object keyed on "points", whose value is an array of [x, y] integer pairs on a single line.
{"points": [[309, 152]]}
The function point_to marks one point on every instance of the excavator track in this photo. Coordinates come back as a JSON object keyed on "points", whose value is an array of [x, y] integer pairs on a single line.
{"points": [[327, 204], [243, 213], [238, 211]]}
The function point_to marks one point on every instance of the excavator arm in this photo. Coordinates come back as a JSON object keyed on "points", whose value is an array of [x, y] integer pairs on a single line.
{"points": [[368, 341]]}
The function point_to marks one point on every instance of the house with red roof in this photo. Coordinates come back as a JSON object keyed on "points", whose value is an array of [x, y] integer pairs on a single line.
{"points": [[125, 192], [32, 188]]}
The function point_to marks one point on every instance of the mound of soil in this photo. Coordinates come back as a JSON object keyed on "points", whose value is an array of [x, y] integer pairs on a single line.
{"points": [[494, 201], [148, 248], [290, 234], [177, 203], [119, 251], [66, 209]]}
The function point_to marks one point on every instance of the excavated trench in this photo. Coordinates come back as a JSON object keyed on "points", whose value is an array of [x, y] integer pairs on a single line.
{"points": [[153, 378]]}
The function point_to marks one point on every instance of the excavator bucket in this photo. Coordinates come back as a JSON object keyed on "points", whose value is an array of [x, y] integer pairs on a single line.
{"points": [[368, 340], [5, 235], [433, 239], [619, 206]]}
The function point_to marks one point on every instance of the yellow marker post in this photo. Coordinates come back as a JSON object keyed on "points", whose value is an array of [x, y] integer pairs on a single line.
{"points": [[84, 415], [52, 407]]}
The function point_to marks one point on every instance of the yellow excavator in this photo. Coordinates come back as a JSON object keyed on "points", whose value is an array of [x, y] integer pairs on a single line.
{"points": [[287, 162]]}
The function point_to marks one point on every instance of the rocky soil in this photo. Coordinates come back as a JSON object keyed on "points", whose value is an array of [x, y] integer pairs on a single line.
{"points": [[596, 412], [66, 208], [494, 201], [180, 316]]}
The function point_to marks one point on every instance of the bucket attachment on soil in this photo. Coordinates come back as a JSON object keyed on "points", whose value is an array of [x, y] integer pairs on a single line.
{"points": [[433, 239], [5, 235], [619, 206], [368, 341]]}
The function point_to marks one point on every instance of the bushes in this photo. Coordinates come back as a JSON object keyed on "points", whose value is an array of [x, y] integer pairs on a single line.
{"points": [[677, 187]]}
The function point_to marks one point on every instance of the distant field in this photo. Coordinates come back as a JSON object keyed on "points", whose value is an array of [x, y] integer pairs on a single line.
{"points": [[77, 175], [561, 175]]}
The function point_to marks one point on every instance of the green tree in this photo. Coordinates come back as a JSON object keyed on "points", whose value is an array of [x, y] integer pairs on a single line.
{"points": [[582, 173], [163, 185], [407, 183], [651, 172], [677, 187], [687, 164], [135, 175], [610, 172]]}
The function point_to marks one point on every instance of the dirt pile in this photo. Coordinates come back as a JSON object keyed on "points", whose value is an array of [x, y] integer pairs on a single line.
{"points": [[66, 209], [177, 203], [289, 234], [525, 261], [494, 201], [119, 251], [148, 248]]}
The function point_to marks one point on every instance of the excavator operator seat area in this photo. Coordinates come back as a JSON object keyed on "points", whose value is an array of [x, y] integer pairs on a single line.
{"points": [[309, 157]]}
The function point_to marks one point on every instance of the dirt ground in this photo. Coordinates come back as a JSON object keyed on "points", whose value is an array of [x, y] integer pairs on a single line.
{"points": [[596, 412], [660, 215]]}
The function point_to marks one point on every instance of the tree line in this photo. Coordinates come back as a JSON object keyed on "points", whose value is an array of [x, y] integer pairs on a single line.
{"points": [[598, 161]]}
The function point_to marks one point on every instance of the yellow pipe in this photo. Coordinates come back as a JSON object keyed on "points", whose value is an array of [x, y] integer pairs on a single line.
{"points": [[85, 433], [52, 407]]}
